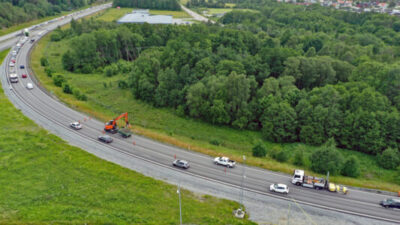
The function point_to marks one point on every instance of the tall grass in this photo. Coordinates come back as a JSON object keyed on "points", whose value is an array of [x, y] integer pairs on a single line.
{"points": [[45, 181]]}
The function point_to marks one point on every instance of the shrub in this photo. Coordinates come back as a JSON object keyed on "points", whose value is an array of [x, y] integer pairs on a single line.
{"points": [[83, 97], [76, 93], [389, 159], [58, 80], [67, 89], [48, 71], [259, 150], [55, 37], [298, 158], [44, 62], [111, 70], [281, 156], [351, 167], [122, 84], [87, 68], [215, 142], [326, 159], [105, 84]]}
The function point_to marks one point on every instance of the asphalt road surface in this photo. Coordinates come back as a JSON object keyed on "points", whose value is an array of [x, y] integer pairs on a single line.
{"points": [[50, 111]]}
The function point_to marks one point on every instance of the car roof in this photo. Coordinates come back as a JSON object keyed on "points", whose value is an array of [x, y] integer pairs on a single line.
{"points": [[182, 161], [394, 200], [281, 185]]}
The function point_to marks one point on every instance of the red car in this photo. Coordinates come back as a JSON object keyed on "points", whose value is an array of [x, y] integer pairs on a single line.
{"points": [[13, 60], [24, 75]]}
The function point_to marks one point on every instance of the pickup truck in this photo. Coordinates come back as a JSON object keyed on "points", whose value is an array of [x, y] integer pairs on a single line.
{"points": [[224, 161], [125, 133]]}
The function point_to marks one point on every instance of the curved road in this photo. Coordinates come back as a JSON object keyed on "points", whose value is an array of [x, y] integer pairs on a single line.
{"points": [[45, 109]]}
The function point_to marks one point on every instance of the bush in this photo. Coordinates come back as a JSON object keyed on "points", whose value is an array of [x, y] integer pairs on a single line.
{"points": [[389, 159], [122, 84], [76, 93], [83, 97], [67, 89], [259, 150], [278, 154], [326, 159], [48, 71], [105, 84], [298, 158], [44, 62], [281, 156], [58, 80], [55, 37], [351, 167], [87, 68], [215, 142], [111, 70]]}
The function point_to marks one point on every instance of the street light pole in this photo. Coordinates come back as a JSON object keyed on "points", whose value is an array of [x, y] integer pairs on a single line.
{"points": [[180, 207], [243, 176]]}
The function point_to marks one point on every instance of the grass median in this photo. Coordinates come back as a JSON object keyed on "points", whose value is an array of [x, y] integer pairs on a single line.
{"points": [[43, 180], [106, 100]]}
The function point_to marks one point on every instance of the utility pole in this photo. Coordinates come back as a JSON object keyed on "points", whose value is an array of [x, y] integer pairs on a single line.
{"points": [[180, 207]]}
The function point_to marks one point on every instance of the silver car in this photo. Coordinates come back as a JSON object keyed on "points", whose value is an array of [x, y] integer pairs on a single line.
{"points": [[181, 163], [280, 188], [76, 125]]}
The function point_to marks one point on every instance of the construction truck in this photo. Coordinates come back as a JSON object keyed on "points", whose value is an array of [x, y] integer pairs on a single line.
{"points": [[26, 32], [300, 179], [111, 126]]}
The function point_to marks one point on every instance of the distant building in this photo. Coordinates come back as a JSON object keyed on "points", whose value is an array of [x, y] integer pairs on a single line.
{"points": [[143, 16]]}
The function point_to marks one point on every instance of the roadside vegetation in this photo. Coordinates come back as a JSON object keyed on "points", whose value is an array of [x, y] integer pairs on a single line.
{"points": [[275, 92], [44, 180]]}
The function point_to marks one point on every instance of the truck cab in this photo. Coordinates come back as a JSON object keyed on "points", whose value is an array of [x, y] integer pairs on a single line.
{"points": [[298, 177]]}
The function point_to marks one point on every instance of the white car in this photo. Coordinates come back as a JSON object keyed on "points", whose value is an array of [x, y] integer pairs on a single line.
{"points": [[280, 188], [224, 161], [76, 125], [29, 86]]}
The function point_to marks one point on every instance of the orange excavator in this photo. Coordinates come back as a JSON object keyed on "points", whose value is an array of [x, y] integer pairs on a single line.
{"points": [[112, 127]]}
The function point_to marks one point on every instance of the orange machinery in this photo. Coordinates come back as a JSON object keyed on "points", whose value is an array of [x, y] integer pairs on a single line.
{"points": [[112, 127]]}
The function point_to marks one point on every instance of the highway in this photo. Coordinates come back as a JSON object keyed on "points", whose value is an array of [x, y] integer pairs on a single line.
{"points": [[256, 180]]}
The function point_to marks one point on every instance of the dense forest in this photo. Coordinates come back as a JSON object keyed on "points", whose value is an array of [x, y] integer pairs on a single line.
{"points": [[14, 12], [293, 73], [149, 4]]}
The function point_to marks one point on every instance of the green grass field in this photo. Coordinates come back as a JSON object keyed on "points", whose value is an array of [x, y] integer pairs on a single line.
{"points": [[164, 125], [45, 181]]}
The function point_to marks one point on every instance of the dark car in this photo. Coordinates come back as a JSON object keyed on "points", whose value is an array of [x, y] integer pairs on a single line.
{"points": [[181, 163], [105, 138], [22, 67], [390, 203], [32, 40]]}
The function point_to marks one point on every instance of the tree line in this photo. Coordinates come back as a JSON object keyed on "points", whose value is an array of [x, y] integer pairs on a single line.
{"points": [[279, 84], [14, 12], [148, 4]]}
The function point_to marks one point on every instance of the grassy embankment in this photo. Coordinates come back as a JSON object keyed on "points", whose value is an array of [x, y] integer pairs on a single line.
{"points": [[164, 125], [45, 181]]}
